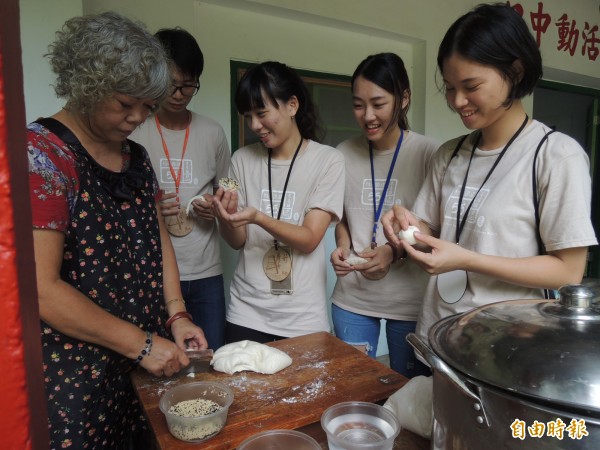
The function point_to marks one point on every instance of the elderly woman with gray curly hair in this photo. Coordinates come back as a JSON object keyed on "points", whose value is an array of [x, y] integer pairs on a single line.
{"points": [[107, 278]]}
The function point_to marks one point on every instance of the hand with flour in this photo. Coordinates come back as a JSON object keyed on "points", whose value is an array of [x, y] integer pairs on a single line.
{"points": [[433, 255], [201, 206], [397, 222]]}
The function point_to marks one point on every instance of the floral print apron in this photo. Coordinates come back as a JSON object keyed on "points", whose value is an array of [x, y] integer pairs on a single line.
{"points": [[112, 254]]}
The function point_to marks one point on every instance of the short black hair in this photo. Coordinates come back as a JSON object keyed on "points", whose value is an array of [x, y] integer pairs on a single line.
{"points": [[497, 36], [387, 71], [183, 50]]}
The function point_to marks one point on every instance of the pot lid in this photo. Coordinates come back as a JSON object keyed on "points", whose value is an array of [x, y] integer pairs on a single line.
{"points": [[545, 349]]}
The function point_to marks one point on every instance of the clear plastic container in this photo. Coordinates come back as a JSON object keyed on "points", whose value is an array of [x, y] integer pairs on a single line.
{"points": [[280, 440], [359, 426], [201, 427]]}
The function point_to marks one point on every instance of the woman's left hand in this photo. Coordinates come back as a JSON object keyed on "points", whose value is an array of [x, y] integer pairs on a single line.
{"points": [[188, 335], [380, 258], [444, 256]]}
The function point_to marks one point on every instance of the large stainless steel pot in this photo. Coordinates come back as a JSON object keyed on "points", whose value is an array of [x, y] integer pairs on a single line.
{"points": [[515, 374]]}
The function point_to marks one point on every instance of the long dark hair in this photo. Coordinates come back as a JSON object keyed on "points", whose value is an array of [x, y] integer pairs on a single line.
{"points": [[278, 82], [496, 36], [387, 71]]}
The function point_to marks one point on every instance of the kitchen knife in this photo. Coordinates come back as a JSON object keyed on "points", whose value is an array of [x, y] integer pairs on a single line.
{"points": [[199, 361]]}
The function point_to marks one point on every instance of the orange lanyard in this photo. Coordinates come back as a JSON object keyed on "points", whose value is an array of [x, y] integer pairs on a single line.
{"points": [[176, 177]]}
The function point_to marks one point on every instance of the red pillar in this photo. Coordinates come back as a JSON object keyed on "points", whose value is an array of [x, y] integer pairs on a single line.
{"points": [[23, 417]]}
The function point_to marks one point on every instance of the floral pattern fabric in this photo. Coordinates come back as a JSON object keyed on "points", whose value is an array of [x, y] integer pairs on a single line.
{"points": [[112, 254]]}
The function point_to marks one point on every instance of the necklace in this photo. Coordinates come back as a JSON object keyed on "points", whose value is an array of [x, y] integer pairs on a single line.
{"points": [[377, 208], [277, 261], [460, 224], [178, 224], [287, 178], [176, 177], [452, 285]]}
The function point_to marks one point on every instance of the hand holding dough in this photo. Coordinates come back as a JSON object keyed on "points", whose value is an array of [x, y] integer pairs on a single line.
{"points": [[355, 260], [249, 355], [188, 210], [408, 235]]}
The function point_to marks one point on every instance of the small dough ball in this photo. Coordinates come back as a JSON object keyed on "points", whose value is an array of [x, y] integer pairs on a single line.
{"points": [[355, 260], [408, 235]]}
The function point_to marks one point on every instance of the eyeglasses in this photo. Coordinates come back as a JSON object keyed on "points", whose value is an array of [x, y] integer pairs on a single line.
{"points": [[187, 90]]}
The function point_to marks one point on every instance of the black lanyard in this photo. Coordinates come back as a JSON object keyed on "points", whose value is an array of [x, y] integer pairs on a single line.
{"points": [[287, 178], [377, 209], [460, 224]]}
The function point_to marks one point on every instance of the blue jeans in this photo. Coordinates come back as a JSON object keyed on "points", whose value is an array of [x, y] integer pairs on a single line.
{"points": [[205, 301], [363, 332]]}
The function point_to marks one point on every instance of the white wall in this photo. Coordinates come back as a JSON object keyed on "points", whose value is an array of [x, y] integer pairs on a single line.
{"points": [[39, 21], [309, 34], [426, 21], [326, 36]]}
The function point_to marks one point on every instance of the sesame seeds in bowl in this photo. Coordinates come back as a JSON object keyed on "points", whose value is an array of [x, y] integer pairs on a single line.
{"points": [[196, 411]]}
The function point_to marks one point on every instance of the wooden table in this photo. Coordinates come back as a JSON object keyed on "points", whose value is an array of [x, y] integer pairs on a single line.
{"points": [[324, 371]]}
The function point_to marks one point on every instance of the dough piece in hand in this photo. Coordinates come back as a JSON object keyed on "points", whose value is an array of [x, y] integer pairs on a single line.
{"points": [[408, 235], [189, 205], [229, 184], [355, 260], [249, 355]]}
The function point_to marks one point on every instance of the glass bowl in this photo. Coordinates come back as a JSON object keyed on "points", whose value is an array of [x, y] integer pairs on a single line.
{"points": [[359, 426], [280, 440]]}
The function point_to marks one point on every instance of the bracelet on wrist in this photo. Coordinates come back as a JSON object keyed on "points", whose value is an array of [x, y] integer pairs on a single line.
{"points": [[174, 300], [394, 252], [177, 316], [147, 348]]}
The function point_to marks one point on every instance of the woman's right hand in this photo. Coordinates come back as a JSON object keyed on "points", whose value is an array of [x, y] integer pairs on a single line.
{"points": [[224, 204], [165, 358], [225, 200], [338, 261], [396, 219]]}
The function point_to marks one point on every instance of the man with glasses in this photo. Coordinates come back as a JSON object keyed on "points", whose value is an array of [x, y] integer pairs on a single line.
{"points": [[190, 153]]}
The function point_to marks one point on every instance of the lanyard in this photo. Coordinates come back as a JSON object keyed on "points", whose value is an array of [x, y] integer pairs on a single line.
{"points": [[176, 177], [460, 224], [377, 209], [287, 178]]}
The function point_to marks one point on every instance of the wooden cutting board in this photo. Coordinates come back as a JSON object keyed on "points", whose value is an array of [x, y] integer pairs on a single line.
{"points": [[324, 371]]}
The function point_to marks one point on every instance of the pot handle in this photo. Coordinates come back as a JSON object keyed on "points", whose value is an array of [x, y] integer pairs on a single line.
{"points": [[438, 364]]}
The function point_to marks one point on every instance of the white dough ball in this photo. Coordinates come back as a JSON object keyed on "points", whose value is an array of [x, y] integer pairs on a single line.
{"points": [[408, 235], [249, 355]]}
